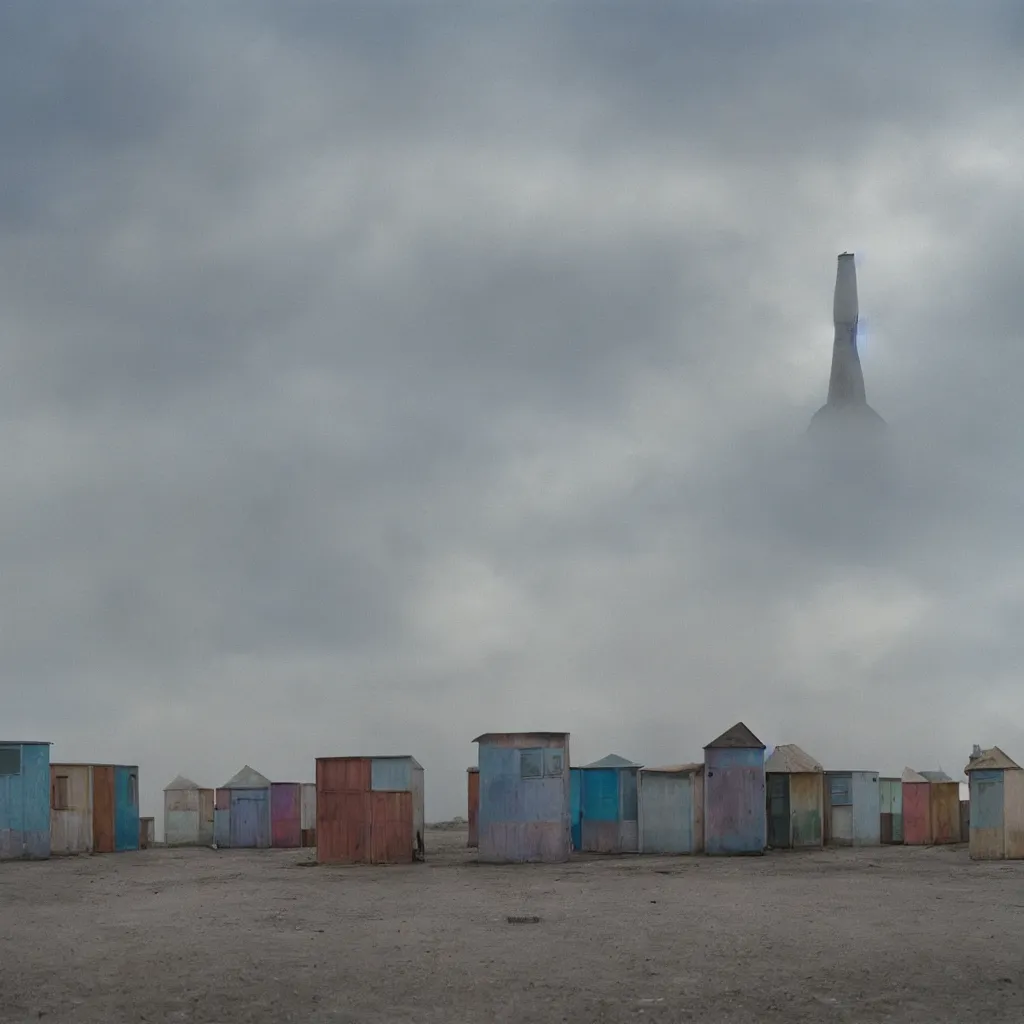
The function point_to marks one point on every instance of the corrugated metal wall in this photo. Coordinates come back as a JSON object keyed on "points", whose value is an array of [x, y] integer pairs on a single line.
{"points": [[866, 819], [206, 817], [250, 819], [25, 805], [890, 809], [524, 801], [126, 808], [917, 814], [222, 817], [473, 805], [734, 801], [944, 800], [181, 817], [806, 809], [356, 823], [309, 814], [668, 813], [104, 802], [70, 823], [286, 815]]}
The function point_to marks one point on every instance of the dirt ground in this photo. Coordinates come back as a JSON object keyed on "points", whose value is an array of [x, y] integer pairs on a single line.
{"points": [[891, 934]]}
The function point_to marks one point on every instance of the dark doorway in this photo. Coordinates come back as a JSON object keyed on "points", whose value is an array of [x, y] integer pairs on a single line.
{"points": [[778, 811]]}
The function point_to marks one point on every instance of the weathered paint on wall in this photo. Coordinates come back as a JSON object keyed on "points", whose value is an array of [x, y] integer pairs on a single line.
{"points": [[997, 814], [852, 809], [524, 797], [944, 801], [70, 809], [222, 817], [866, 822], [670, 811], [357, 824], [147, 833], [126, 808], [25, 802], [734, 801], [104, 830], [419, 825], [206, 812], [890, 806], [286, 815], [473, 806], [609, 810], [250, 819], [576, 808], [189, 818], [309, 814], [917, 813], [806, 809]]}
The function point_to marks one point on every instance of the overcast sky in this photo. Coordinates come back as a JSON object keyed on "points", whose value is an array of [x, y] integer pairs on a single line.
{"points": [[380, 374]]}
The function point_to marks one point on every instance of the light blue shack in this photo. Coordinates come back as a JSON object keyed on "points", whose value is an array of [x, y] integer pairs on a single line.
{"points": [[609, 806], [241, 816], [735, 813], [525, 793], [24, 800], [853, 809]]}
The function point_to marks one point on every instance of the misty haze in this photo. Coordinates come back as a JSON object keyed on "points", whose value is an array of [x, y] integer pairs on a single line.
{"points": [[378, 376]]}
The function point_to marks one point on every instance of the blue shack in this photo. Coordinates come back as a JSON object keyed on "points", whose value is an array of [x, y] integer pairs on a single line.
{"points": [[608, 809], [241, 816], [24, 800], [735, 814], [576, 807], [525, 793]]}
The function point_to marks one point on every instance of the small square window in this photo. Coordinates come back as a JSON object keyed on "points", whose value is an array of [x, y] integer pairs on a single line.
{"points": [[10, 760], [531, 763], [553, 762]]}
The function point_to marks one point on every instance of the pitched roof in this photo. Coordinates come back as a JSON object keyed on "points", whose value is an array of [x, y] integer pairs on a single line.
{"points": [[676, 769], [991, 758], [788, 757], [180, 782], [909, 775], [939, 776], [738, 737], [247, 778], [612, 761]]}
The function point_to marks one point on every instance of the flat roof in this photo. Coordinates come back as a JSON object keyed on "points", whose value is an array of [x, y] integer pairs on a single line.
{"points": [[483, 737], [370, 757], [26, 743]]}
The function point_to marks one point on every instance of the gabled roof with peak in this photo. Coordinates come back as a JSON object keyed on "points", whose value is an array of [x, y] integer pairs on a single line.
{"points": [[791, 759], [939, 776], [612, 761], [909, 775], [991, 759], [739, 737], [247, 778], [181, 782]]}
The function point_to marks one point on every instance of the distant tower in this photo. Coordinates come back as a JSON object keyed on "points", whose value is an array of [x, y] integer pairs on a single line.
{"points": [[847, 401]]}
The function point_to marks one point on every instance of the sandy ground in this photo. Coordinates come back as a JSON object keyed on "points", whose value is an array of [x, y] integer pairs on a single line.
{"points": [[892, 934]]}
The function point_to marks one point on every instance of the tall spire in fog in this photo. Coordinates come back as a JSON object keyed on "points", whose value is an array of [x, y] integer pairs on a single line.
{"points": [[846, 383]]}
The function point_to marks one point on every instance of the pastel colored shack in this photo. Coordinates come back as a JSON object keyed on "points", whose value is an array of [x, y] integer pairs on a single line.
{"points": [[369, 810], [796, 799], [996, 806], [734, 794], [890, 804], [286, 815], [608, 813], [24, 800], [94, 808], [670, 803], [524, 797], [188, 813], [931, 808], [852, 809], [241, 813]]}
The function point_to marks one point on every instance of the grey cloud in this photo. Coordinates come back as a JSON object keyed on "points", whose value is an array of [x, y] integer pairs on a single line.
{"points": [[374, 379]]}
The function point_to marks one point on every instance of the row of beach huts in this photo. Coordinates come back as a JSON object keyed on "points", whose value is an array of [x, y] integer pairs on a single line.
{"points": [[525, 804]]}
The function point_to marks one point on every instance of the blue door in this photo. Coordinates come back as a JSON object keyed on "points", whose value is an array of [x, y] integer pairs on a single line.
{"points": [[575, 807], [250, 818], [126, 808]]}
